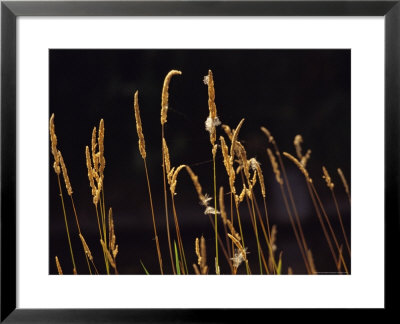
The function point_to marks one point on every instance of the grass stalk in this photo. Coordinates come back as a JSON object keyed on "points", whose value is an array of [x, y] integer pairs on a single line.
{"points": [[289, 189], [153, 217], [298, 231], [251, 210], [166, 202], [221, 243], [179, 238], [329, 226], [215, 216], [267, 239], [101, 239], [142, 150], [345, 184], [256, 233], [341, 222], [241, 232], [296, 234], [328, 240], [164, 114], [66, 225], [79, 230], [103, 224]]}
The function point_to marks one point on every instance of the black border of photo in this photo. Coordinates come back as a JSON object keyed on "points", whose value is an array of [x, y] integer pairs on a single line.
{"points": [[11, 10]]}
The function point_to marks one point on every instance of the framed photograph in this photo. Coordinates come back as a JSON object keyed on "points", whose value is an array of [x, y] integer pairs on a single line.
{"points": [[164, 159]]}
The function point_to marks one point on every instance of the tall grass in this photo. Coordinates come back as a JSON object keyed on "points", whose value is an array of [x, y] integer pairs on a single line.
{"points": [[246, 186]]}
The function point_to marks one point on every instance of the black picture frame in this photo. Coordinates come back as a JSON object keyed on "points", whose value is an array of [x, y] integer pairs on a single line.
{"points": [[10, 10]]}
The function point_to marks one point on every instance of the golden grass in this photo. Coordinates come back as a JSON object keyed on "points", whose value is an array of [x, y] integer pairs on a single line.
{"points": [[211, 123], [54, 150], [165, 95], [56, 154], [236, 162], [331, 186], [320, 209], [275, 167], [290, 205], [201, 253], [142, 150], [60, 272], [345, 184], [299, 165], [164, 111], [327, 178], [142, 143]]}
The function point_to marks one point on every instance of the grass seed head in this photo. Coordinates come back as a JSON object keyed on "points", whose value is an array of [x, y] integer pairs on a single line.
{"points": [[166, 156], [299, 165], [86, 248], [297, 144], [255, 165], [228, 162], [234, 139], [327, 178], [142, 144], [345, 184], [65, 174], [268, 134], [197, 250], [174, 178], [54, 150], [275, 167], [94, 147], [195, 179], [305, 158], [96, 197], [222, 205], [165, 95], [212, 121], [102, 159], [90, 171], [59, 269], [203, 251], [227, 131], [108, 254]]}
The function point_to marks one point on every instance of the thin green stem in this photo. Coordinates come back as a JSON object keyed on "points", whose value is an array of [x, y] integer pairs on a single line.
{"points": [[79, 230], [178, 235], [265, 237], [154, 220], [221, 244], [252, 214], [256, 232], [66, 223]]}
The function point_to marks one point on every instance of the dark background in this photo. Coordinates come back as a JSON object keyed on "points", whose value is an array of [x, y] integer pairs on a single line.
{"points": [[290, 92]]}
